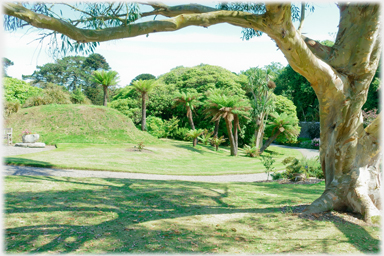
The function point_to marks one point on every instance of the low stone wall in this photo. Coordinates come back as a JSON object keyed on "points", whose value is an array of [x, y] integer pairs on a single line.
{"points": [[309, 130]]}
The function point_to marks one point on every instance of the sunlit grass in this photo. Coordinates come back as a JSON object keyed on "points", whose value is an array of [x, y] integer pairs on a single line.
{"points": [[93, 215], [169, 157]]}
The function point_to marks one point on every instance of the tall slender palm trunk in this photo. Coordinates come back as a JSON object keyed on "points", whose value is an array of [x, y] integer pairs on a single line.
{"points": [[269, 141], [236, 132], [190, 120], [231, 138], [216, 130], [105, 88], [143, 112]]}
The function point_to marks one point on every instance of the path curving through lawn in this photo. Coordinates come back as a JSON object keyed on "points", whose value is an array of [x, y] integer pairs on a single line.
{"points": [[37, 171]]}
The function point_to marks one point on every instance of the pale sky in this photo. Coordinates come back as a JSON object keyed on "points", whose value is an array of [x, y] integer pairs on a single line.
{"points": [[158, 53]]}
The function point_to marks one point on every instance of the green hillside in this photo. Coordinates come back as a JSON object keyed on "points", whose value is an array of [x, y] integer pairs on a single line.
{"points": [[76, 124]]}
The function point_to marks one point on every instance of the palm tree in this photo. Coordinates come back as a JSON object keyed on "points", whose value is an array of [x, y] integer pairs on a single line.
{"points": [[144, 87], [205, 137], [230, 109], [261, 87], [281, 124], [194, 134], [190, 101], [216, 91], [106, 79], [217, 141]]}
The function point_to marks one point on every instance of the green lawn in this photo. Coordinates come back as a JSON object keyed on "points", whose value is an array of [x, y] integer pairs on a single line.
{"points": [[168, 157], [94, 215]]}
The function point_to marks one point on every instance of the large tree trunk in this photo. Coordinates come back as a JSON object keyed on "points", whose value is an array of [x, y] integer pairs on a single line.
{"points": [[105, 88], [143, 112], [340, 76]]}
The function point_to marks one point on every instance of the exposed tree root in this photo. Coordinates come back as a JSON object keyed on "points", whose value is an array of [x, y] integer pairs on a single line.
{"points": [[362, 195]]}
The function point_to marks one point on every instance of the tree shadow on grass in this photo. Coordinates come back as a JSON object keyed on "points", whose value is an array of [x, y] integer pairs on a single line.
{"points": [[26, 162], [191, 148], [345, 222], [119, 215]]}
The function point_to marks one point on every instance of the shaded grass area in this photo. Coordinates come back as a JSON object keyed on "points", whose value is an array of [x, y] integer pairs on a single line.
{"points": [[169, 157], [72, 123], [93, 215]]}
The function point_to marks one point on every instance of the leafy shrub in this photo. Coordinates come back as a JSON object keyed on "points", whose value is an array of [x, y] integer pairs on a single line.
{"points": [[294, 168], [78, 97], [311, 167], [205, 137], [284, 105], [155, 126], [124, 106], [268, 162], [180, 134], [215, 141], [16, 90], [194, 133], [251, 151], [277, 176], [56, 94], [160, 128], [52, 94], [11, 107], [306, 144]]}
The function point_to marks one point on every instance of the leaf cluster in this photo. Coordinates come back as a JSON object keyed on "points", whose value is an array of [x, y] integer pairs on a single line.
{"points": [[70, 71], [16, 90]]}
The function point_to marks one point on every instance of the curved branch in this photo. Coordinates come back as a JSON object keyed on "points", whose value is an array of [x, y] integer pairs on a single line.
{"points": [[321, 51], [279, 27], [276, 22], [302, 17], [173, 11], [236, 18]]}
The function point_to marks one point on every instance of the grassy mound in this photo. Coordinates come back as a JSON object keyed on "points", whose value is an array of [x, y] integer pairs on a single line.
{"points": [[76, 124]]}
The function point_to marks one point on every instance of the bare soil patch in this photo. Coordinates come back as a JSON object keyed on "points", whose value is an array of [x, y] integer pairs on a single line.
{"points": [[137, 150], [286, 181], [333, 216]]}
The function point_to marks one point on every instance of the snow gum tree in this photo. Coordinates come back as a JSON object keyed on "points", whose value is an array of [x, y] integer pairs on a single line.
{"points": [[340, 75]]}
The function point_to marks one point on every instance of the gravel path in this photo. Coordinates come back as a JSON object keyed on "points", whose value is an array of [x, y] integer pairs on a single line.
{"points": [[23, 170], [12, 150]]}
